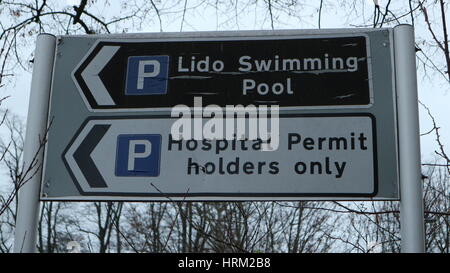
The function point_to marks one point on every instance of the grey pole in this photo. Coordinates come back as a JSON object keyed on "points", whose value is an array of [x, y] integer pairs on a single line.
{"points": [[411, 198], [28, 207]]}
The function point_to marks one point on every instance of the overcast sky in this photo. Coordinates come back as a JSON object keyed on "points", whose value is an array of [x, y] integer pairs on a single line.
{"points": [[433, 89]]}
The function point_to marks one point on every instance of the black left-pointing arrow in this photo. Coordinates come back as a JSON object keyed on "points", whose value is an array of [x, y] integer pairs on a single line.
{"points": [[83, 158]]}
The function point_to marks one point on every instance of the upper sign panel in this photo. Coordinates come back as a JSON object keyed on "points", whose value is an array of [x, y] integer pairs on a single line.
{"points": [[316, 71]]}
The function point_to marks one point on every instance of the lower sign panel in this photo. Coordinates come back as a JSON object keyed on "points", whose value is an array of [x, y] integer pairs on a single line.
{"points": [[137, 158]]}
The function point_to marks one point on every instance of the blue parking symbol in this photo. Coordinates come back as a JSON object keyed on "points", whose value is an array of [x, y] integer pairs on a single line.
{"points": [[138, 155], [147, 75]]}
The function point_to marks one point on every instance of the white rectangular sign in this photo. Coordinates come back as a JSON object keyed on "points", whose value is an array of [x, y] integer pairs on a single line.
{"points": [[318, 155]]}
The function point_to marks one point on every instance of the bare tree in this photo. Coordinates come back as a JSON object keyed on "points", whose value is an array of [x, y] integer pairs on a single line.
{"points": [[98, 221]]}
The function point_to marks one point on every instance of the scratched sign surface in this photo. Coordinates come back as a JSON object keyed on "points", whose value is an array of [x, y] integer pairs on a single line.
{"points": [[295, 71], [112, 97]]}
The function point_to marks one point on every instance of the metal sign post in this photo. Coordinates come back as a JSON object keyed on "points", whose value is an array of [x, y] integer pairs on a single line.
{"points": [[28, 207], [411, 199]]}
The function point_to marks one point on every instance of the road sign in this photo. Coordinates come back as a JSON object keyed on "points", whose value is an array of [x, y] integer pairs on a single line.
{"points": [[307, 71], [112, 97], [326, 155], [329, 155]]}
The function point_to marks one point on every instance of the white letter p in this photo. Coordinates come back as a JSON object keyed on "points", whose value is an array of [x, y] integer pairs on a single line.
{"points": [[142, 74], [132, 154]]}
